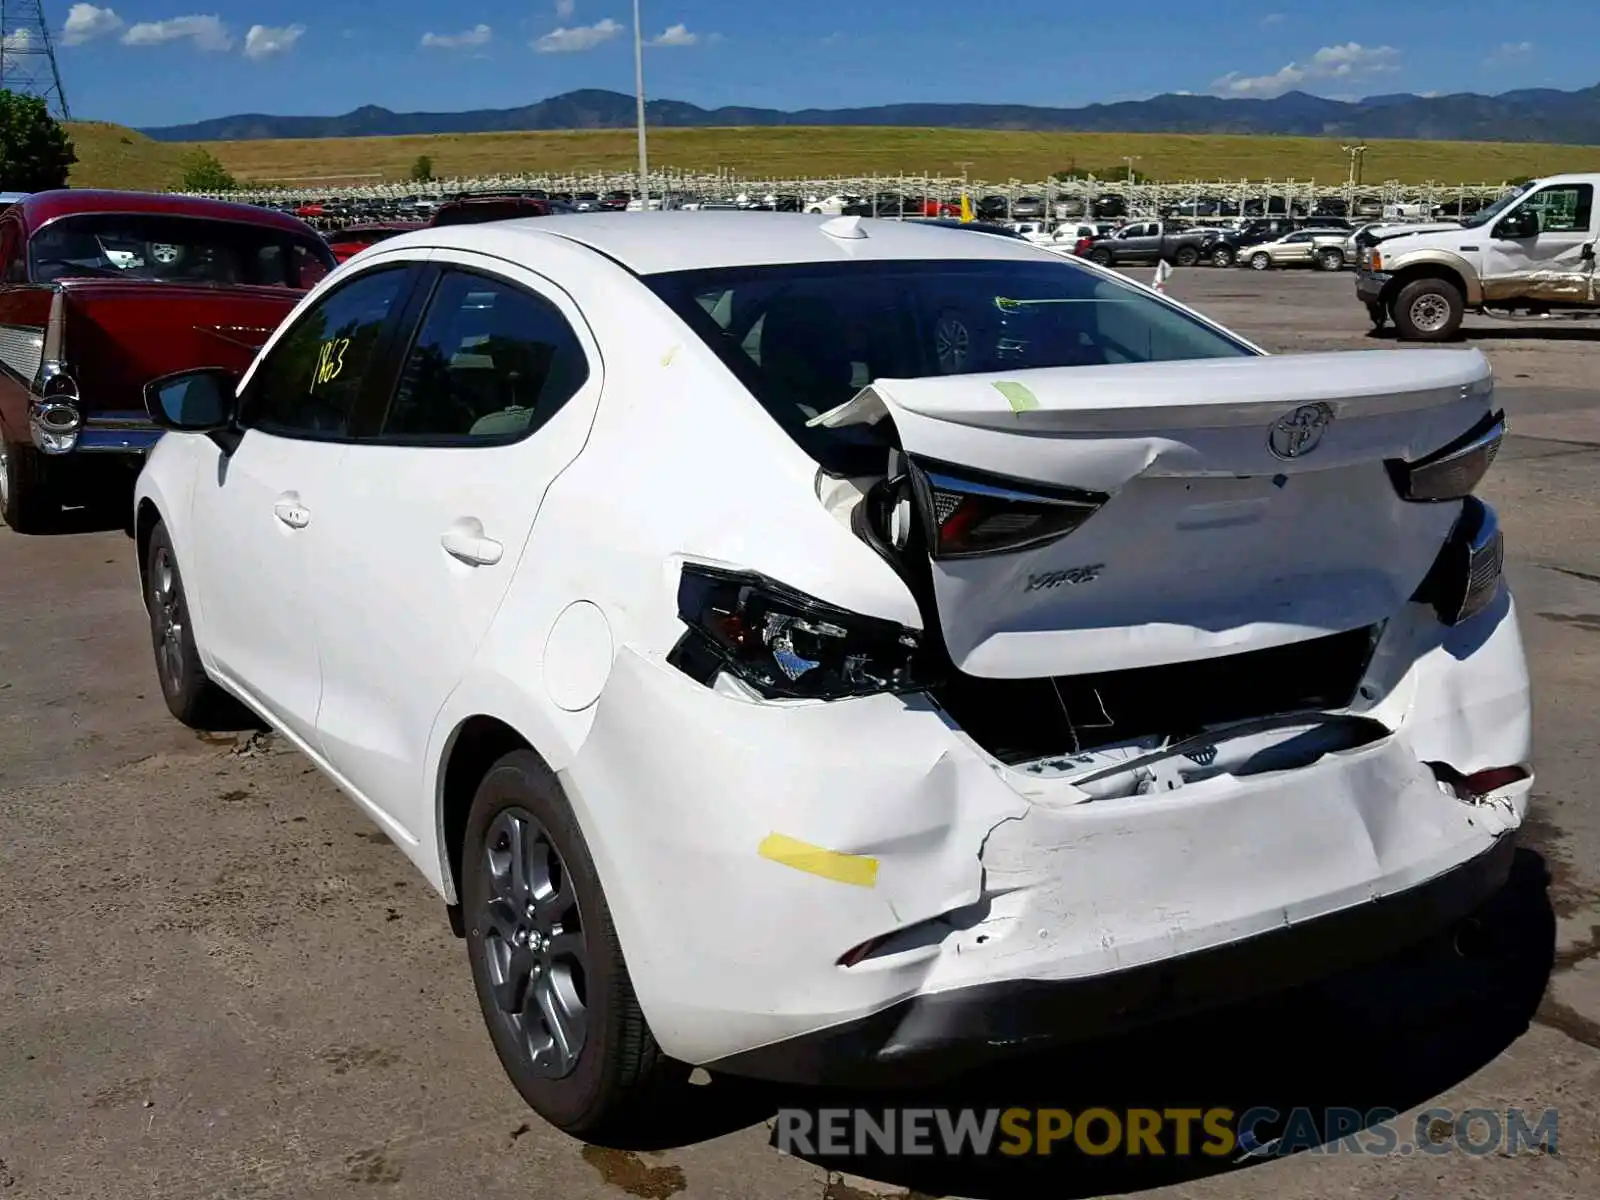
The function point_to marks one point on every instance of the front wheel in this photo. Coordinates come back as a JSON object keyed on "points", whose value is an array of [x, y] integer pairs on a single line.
{"points": [[1260, 262], [548, 968], [1331, 260], [1429, 310], [28, 500], [1223, 256]]}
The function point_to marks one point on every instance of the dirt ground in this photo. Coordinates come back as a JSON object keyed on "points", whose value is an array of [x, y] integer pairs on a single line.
{"points": [[217, 979]]}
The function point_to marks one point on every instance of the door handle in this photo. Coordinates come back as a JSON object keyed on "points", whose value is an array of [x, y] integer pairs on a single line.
{"points": [[467, 543], [292, 513]]}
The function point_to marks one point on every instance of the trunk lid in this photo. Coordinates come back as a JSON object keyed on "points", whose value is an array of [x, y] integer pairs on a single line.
{"points": [[120, 335], [1225, 505]]}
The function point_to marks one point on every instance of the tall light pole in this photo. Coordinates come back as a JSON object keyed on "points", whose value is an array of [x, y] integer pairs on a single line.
{"points": [[1130, 159], [638, 89]]}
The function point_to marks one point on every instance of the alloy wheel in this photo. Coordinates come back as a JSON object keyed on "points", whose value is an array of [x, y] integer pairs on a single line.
{"points": [[1260, 262], [1430, 312], [166, 609], [534, 947]]}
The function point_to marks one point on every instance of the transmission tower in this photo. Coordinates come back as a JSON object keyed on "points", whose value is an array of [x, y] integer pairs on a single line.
{"points": [[28, 56]]}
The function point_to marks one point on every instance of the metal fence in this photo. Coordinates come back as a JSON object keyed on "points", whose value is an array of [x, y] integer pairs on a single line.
{"points": [[1139, 197]]}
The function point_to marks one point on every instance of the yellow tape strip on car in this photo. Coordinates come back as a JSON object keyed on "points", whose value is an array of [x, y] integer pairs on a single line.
{"points": [[855, 869]]}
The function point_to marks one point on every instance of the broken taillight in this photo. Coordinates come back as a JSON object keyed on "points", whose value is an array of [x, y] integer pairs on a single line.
{"points": [[971, 516], [1453, 471], [785, 644], [1465, 578]]}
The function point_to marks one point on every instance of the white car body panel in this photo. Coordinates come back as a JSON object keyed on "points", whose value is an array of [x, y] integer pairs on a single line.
{"points": [[990, 872]]}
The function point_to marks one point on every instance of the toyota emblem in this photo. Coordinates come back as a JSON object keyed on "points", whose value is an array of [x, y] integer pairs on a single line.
{"points": [[1298, 433]]}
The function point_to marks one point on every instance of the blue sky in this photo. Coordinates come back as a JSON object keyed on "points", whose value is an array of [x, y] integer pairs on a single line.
{"points": [[158, 62]]}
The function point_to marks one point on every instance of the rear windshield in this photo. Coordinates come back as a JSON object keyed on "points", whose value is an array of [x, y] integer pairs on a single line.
{"points": [[807, 338], [181, 249]]}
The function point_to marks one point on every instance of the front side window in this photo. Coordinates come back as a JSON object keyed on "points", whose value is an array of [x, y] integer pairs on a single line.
{"points": [[175, 249], [804, 339], [310, 382], [490, 363], [1568, 208]]}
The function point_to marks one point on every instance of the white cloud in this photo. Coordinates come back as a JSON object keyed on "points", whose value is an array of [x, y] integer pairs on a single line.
{"points": [[478, 35], [675, 35], [207, 32], [12, 46], [1274, 19], [85, 22], [1349, 61], [1509, 53], [580, 37], [263, 41], [565, 9]]}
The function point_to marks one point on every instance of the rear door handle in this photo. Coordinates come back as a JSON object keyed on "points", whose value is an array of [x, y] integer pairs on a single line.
{"points": [[467, 542], [292, 513]]}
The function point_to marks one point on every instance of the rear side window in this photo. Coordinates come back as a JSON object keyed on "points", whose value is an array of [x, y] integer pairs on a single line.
{"points": [[805, 339], [490, 363], [310, 383]]}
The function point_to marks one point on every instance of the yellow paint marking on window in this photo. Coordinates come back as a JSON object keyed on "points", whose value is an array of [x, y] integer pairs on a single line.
{"points": [[330, 360], [666, 359], [855, 869]]}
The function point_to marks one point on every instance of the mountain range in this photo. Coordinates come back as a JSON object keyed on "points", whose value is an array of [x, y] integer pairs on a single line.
{"points": [[1532, 115]]}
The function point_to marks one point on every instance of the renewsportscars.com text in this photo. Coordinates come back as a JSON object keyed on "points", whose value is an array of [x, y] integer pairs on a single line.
{"points": [[1221, 1133]]}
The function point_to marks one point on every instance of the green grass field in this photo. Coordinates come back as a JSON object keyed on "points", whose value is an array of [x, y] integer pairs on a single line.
{"points": [[115, 157]]}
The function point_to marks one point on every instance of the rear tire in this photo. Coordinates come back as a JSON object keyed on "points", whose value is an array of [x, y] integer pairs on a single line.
{"points": [[190, 694], [1429, 310], [29, 502], [1186, 256], [540, 941], [1102, 257]]}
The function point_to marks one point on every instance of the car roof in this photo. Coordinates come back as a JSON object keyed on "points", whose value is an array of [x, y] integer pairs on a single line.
{"points": [[39, 208], [657, 242]]}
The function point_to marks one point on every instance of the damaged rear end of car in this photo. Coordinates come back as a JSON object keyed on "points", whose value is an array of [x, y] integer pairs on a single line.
{"points": [[1214, 686]]}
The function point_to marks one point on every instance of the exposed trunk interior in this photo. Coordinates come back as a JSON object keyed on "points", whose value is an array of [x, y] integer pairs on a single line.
{"points": [[1019, 720]]}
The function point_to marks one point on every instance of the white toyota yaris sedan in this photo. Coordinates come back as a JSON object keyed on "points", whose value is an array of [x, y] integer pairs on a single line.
{"points": [[811, 647]]}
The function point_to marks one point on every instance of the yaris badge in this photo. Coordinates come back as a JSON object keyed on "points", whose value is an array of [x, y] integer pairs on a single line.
{"points": [[1298, 433]]}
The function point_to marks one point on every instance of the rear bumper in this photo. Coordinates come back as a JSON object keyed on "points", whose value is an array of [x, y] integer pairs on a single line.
{"points": [[988, 883], [60, 429], [965, 1027]]}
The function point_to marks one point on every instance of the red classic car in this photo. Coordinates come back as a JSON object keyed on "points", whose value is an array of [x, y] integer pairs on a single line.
{"points": [[350, 241], [101, 292]]}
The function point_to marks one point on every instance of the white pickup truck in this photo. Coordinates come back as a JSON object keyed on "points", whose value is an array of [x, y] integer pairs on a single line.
{"points": [[1532, 251]]}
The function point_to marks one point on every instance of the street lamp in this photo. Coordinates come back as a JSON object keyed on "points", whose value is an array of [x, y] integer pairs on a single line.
{"points": [[1130, 159], [638, 91]]}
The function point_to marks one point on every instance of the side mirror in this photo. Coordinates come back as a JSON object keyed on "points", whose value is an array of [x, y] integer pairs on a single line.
{"points": [[197, 401], [1523, 223]]}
